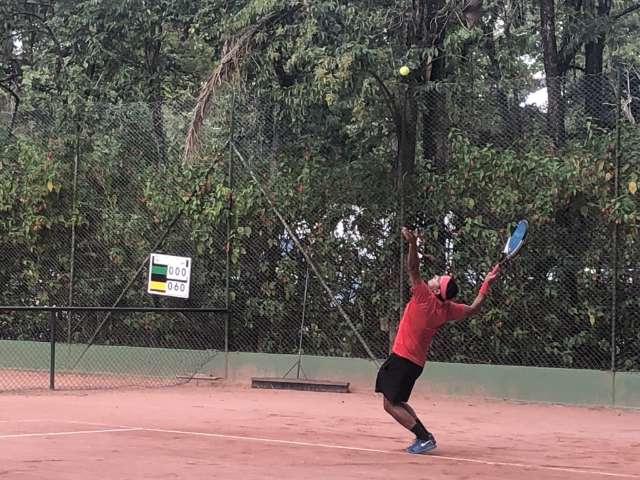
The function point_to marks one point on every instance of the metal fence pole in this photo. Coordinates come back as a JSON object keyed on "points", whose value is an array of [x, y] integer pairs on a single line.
{"points": [[52, 340], [74, 220], [227, 318], [616, 230], [401, 285], [304, 308], [394, 323]]}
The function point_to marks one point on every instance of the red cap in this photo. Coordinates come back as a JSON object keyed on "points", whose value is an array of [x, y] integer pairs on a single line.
{"points": [[444, 282]]}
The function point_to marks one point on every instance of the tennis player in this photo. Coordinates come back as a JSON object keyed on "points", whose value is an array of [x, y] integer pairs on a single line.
{"points": [[429, 308]]}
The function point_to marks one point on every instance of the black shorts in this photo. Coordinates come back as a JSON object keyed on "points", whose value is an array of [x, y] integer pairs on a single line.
{"points": [[396, 378]]}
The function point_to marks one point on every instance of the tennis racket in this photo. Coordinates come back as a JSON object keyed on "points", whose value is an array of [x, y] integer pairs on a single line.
{"points": [[515, 241]]}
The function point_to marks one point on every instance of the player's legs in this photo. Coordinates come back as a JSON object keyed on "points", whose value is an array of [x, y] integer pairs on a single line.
{"points": [[395, 381], [408, 408], [410, 421], [400, 413]]}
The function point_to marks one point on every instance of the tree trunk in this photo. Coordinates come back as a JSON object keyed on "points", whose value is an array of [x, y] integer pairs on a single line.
{"points": [[594, 55], [158, 130], [507, 130], [435, 117], [407, 133], [425, 28], [152, 51], [555, 108], [435, 122]]}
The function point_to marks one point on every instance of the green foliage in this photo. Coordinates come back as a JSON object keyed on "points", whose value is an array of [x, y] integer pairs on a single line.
{"points": [[318, 113], [34, 203]]}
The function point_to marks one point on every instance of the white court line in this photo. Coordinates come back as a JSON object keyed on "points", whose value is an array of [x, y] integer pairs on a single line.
{"points": [[426, 457], [98, 424], [125, 428], [77, 432]]}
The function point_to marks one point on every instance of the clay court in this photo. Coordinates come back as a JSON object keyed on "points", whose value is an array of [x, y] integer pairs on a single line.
{"points": [[225, 430]]}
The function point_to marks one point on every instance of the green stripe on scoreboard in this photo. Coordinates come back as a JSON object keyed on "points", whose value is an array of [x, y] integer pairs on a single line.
{"points": [[169, 275]]}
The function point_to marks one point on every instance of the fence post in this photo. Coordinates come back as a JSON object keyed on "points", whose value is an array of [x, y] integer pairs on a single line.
{"points": [[227, 300], [394, 323], [52, 339], [74, 220], [616, 231]]}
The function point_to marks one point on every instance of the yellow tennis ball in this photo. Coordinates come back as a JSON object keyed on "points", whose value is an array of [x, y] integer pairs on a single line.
{"points": [[404, 71]]}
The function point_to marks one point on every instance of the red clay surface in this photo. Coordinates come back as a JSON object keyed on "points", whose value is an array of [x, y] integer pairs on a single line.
{"points": [[224, 431]]}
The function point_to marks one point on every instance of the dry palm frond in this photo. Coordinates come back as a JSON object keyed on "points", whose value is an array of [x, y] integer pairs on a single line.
{"points": [[235, 51], [626, 102]]}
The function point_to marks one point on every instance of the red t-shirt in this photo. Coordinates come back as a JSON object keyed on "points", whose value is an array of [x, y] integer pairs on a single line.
{"points": [[422, 317]]}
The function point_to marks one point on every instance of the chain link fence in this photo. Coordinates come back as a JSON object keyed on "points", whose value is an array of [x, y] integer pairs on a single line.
{"points": [[292, 220], [482, 161], [85, 204]]}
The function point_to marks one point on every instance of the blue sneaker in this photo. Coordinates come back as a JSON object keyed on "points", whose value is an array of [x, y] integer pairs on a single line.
{"points": [[422, 446]]}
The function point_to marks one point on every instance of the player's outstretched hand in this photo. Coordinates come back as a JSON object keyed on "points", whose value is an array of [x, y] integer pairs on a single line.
{"points": [[409, 235], [493, 274]]}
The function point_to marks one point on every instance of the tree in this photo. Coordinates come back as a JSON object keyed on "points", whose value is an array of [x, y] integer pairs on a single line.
{"points": [[329, 125], [553, 71]]}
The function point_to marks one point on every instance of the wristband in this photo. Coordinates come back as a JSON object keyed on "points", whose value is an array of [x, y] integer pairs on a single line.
{"points": [[484, 289]]}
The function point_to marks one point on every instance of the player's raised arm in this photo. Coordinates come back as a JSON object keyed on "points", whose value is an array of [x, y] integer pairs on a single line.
{"points": [[461, 311], [413, 264]]}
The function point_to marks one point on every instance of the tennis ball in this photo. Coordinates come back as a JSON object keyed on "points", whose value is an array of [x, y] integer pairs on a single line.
{"points": [[404, 71]]}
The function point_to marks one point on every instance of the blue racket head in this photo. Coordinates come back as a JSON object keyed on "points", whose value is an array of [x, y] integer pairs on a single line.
{"points": [[516, 240]]}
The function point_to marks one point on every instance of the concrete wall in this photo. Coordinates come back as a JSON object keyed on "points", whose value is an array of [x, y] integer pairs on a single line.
{"points": [[557, 385]]}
